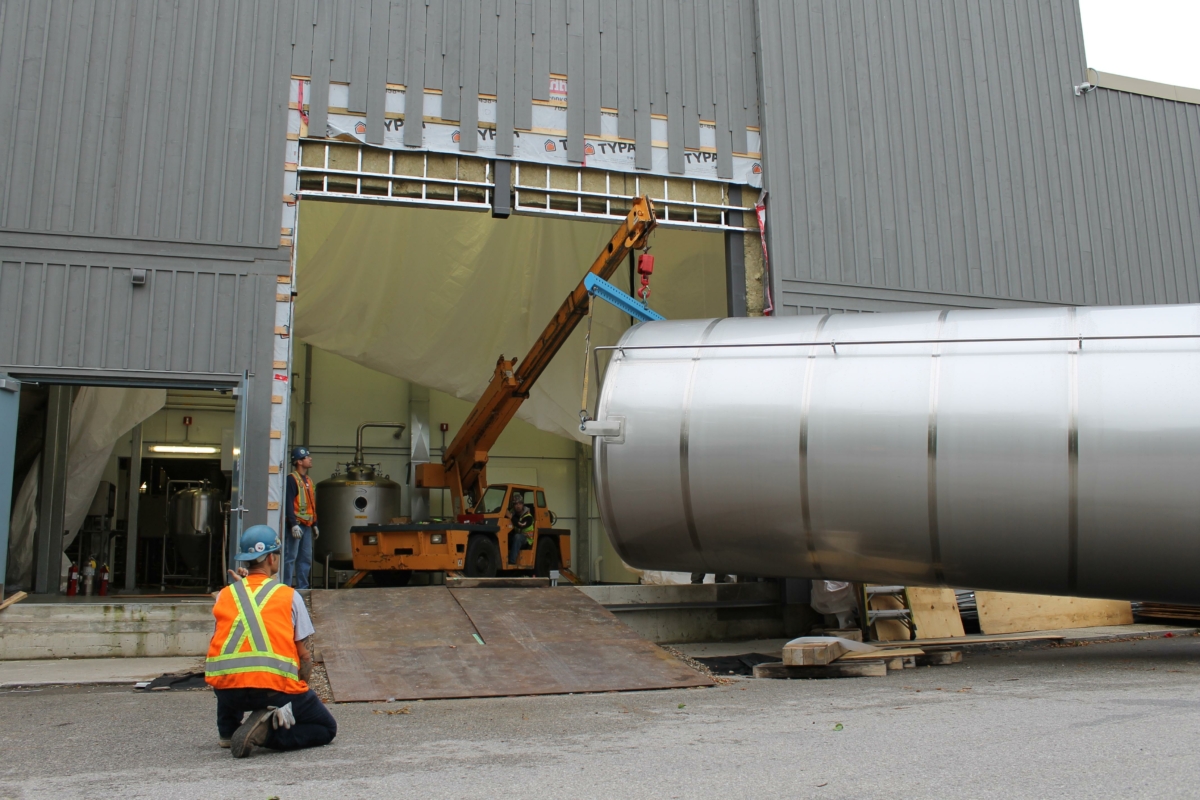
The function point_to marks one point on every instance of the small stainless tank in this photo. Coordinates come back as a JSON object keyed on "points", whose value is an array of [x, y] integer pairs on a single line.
{"points": [[358, 496], [193, 514]]}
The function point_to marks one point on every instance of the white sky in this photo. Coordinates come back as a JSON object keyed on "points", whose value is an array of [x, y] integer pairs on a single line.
{"points": [[1156, 40]]}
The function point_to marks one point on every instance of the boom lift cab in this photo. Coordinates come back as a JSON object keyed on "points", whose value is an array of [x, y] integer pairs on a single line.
{"points": [[476, 541], [476, 545]]}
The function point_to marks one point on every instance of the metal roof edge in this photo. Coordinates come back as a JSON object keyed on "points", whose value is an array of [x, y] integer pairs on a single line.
{"points": [[1121, 83]]}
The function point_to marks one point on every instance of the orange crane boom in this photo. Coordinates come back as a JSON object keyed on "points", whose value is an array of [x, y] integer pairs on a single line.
{"points": [[464, 463]]}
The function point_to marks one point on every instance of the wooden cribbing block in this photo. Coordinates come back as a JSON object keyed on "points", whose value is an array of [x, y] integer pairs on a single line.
{"points": [[939, 658], [893, 652], [810, 654], [840, 669], [16, 598], [1008, 612]]}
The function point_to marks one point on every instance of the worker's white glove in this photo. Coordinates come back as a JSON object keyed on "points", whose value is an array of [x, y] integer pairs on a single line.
{"points": [[296, 532], [316, 533], [283, 716]]}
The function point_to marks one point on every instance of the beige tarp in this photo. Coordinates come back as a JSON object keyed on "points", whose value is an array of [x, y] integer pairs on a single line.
{"points": [[436, 296], [100, 416]]}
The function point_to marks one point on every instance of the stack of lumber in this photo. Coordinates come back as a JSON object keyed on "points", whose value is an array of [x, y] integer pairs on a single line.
{"points": [[1168, 611], [834, 657]]}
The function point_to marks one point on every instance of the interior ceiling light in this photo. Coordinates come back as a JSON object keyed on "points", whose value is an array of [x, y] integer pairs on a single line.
{"points": [[189, 449]]}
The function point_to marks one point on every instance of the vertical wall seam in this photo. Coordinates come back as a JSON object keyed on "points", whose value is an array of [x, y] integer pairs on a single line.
{"points": [[37, 117], [265, 201], [207, 109], [104, 323], [166, 124], [16, 104], [62, 313], [83, 98], [62, 94], [233, 52], [112, 28], [247, 120], [187, 121], [20, 305], [141, 161], [41, 308], [84, 309]]}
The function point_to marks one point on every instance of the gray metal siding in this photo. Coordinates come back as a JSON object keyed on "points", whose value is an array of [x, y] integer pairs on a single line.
{"points": [[193, 319], [934, 152], [149, 119], [635, 57]]}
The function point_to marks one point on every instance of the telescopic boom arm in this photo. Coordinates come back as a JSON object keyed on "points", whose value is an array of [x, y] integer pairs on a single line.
{"points": [[463, 466]]}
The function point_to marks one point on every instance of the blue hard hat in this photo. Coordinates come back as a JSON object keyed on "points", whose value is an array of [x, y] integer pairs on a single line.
{"points": [[300, 453], [257, 541]]}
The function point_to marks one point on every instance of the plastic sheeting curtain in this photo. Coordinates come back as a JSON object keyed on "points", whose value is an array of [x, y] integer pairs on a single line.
{"points": [[436, 296], [100, 416]]}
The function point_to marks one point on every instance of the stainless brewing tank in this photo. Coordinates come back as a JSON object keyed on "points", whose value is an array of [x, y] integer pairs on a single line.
{"points": [[359, 496], [1015, 450], [193, 514]]}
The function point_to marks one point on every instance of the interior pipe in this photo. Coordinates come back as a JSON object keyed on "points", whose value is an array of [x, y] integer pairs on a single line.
{"points": [[358, 445]]}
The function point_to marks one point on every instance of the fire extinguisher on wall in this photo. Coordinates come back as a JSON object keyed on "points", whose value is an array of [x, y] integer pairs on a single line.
{"points": [[73, 580], [103, 575]]}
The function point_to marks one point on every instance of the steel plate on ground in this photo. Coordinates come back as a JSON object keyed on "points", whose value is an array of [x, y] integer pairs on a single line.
{"points": [[418, 643]]}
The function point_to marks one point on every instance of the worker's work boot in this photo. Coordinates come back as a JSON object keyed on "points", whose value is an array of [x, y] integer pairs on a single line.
{"points": [[224, 743], [253, 733]]}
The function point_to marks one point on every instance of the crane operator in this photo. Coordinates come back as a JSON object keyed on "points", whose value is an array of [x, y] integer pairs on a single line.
{"points": [[522, 527], [259, 658], [301, 505]]}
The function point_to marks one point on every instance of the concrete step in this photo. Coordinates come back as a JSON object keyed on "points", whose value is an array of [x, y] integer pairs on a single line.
{"points": [[117, 629]]}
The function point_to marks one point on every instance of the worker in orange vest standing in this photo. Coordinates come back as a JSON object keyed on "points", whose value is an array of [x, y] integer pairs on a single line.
{"points": [[301, 517], [259, 659]]}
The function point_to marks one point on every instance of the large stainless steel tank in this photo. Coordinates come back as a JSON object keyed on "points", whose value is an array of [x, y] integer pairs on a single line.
{"points": [[193, 514], [1048, 450], [358, 496]]}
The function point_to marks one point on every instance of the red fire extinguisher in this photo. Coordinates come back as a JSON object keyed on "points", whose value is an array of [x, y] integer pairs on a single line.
{"points": [[103, 575], [73, 581]]}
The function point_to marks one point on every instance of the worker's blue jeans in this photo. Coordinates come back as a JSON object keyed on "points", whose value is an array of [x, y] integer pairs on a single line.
{"points": [[314, 726], [297, 558]]}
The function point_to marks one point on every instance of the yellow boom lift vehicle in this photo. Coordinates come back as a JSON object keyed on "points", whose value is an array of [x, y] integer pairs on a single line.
{"points": [[476, 543]]}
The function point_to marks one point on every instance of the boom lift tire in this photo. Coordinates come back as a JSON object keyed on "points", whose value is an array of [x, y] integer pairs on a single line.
{"points": [[548, 557], [483, 557]]}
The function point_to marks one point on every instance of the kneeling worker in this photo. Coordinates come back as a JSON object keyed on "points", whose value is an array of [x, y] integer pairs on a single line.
{"points": [[259, 661]]}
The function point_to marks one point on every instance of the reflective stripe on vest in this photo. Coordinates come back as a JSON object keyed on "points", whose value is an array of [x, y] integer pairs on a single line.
{"points": [[305, 507], [261, 657]]}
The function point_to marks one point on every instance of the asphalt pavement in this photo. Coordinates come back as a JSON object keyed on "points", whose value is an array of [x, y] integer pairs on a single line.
{"points": [[1103, 720]]}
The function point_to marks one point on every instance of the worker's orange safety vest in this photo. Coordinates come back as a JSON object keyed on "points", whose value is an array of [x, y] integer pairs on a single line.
{"points": [[305, 507], [253, 646]]}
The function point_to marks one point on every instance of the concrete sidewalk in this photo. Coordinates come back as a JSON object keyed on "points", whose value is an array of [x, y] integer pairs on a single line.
{"points": [[91, 671]]}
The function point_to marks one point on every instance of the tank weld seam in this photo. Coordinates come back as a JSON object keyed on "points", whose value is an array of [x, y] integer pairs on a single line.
{"points": [[1077, 339], [685, 477], [1073, 349], [935, 380], [805, 404]]}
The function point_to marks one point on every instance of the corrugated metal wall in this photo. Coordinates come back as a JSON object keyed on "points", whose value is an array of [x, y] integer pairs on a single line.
{"points": [[149, 119], [932, 152], [685, 60], [77, 316]]}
